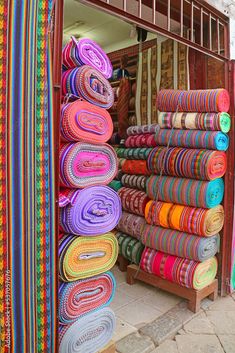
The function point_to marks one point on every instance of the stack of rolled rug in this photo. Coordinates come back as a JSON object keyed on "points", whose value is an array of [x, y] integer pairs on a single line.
{"points": [[89, 209]]}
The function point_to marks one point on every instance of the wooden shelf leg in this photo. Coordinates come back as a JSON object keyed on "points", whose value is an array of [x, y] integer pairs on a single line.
{"points": [[130, 277], [213, 296], [194, 303]]}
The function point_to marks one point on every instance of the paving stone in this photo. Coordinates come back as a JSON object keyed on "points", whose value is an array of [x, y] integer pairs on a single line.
{"points": [[206, 303], [181, 332], [120, 300], [223, 304], [123, 329], [222, 321], [199, 325], [193, 344], [137, 291], [168, 346], [228, 343], [135, 343], [166, 326], [182, 313], [233, 296], [161, 300]]}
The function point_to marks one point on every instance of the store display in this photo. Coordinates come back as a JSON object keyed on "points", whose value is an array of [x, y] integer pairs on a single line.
{"points": [[185, 272], [195, 121], [86, 164], [180, 244], [91, 211], [135, 167], [186, 192], [89, 84], [130, 248], [131, 224], [81, 297], [189, 163], [90, 333], [201, 101], [144, 140], [133, 200], [84, 257], [134, 181], [143, 129], [82, 121], [200, 221], [133, 153]]}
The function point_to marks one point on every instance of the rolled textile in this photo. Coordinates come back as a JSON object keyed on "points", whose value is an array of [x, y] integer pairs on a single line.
{"points": [[81, 297], [115, 185], [134, 153], [90, 333], [133, 89], [115, 139], [189, 163], [137, 167], [185, 272], [132, 103], [91, 211], [200, 221], [180, 244], [195, 121], [119, 175], [130, 248], [134, 181], [132, 120], [82, 121], [144, 129], [89, 84], [121, 161], [86, 164], [211, 100], [186, 191], [86, 52], [133, 201], [144, 140], [214, 140], [84, 257], [131, 224]]}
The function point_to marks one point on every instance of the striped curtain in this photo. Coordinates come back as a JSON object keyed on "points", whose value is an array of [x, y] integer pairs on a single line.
{"points": [[27, 213]]}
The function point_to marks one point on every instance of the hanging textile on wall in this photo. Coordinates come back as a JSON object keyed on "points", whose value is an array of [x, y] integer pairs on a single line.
{"points": [[183, 66], [27, 244], [167, 64]]}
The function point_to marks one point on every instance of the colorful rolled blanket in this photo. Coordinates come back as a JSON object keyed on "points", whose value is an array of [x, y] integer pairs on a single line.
{"points": [[81, 297], [211, 100], [133, 201], [130, 248], [189, 163], [89, 84], [134, 181], [136, 167], [131, 224], [180, 244], [82, 121], [115, 185], [185, 272], [195, 121], [84, 257], [86, 164], [91, 211], [144, 129], [200, 221], [144, 140], [133, 153], [90, 333], [214, 140], [186, 191], [86, 52]]}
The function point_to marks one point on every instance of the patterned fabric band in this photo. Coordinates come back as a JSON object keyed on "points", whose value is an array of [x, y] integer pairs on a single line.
{"points": [[115, 185], [85, 164], [91, 211], [200, 221], [180, 244], [133, 153], [130, 248], [211, 100], [131, 224], [86, 52], [135, 167], [189, 163], [144, 140], [84, 257], [134, 181], [144, 129], [90, 333], [89, 84], [133, 201], [186, 192], [185, 272], [81, 297]]}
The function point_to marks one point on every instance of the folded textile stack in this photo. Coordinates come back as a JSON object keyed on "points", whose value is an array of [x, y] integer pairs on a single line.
{"points": [[89, 209]]}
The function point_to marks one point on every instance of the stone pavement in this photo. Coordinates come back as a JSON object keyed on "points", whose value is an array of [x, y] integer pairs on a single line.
{"points": [[211, 330]]}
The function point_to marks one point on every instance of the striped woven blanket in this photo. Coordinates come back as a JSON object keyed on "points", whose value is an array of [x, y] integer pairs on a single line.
{"points": [[143, 129], [186, 191], [133, 201], [85, 164], [90, 333], [134, 181], [91, 211], [194, 220], [84, 257], [189, 163], [81, 297], [185, 272], [180, 244], [135, 167], [131, 224], [130, 248]]}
